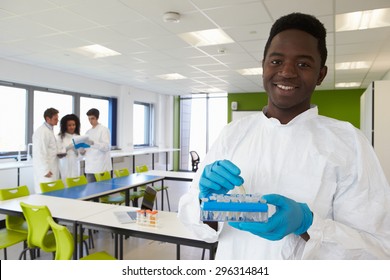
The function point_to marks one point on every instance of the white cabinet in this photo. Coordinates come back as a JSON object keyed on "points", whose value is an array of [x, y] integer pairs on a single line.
{"points": [[375, 120]]}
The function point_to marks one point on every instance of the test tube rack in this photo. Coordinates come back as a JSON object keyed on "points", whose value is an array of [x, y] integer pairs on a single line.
{"points": [[234, 208]]}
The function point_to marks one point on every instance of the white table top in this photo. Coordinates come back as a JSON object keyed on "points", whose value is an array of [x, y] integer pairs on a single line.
{"points": [[15, 164], [135, 152], [168, 223], [178, 175], [61, 208], [114, 154]]}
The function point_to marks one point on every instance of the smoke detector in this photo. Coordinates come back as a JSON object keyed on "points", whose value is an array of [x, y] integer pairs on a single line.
{"points": [[171, 17]]}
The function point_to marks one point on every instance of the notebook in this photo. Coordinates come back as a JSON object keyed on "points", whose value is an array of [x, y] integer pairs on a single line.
{"points": [[125, 217]]}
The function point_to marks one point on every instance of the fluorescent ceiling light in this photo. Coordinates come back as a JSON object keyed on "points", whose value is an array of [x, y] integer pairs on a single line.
{"points": [[96, 51], [214, 91], [363, 20], [348, 85], [173, 76], [251, 71], [353, 65], [206, 37]]}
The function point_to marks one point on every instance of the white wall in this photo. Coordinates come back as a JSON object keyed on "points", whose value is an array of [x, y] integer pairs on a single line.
{"points": [[375, 118]]}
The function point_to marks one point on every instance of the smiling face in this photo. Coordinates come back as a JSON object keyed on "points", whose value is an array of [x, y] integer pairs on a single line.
{"points": [[70, 126], [291, 71]]}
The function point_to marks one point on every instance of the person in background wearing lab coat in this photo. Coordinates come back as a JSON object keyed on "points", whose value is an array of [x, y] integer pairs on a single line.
{"points": [[69, 163], [45, 159], [97, 157], [329, 195]]}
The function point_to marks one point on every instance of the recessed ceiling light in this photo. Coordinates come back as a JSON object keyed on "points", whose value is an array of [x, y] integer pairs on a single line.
{"points": [[363, 20], [348, 85], [173, 76], [206, 37], [251, 71], [96, 51], [353, 65]]}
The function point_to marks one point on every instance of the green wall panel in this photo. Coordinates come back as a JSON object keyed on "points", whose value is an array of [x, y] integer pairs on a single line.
{"points": [[339, 104]]}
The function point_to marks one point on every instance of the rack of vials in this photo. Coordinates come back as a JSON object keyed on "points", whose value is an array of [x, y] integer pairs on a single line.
{"points": [[234, 208], [147, 218]]}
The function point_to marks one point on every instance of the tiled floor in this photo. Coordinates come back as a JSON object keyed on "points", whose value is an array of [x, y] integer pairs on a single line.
{"points": [[136, 248]]}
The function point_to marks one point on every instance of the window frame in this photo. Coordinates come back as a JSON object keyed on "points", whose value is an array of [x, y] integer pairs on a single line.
{"points": [[148, 126], [113, 111]]}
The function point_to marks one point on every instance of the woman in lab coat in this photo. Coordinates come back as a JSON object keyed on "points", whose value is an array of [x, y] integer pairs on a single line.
{"points": [[45, 159], [329, 196], [70, 161]]}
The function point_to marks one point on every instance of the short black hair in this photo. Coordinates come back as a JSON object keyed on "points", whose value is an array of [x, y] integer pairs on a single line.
{"points": [[303, 22], [93, 112], [49, 113]]}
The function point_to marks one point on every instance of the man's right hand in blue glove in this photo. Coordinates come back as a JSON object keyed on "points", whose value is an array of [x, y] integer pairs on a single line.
{"points": [[219, 177]]}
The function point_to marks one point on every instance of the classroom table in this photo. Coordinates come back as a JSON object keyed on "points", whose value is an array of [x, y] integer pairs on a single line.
{"points": [[63, 209], [144, 151], [114, 154], [169, 229], [101, 216], [95, 190], [16, 165], [186, 176]]}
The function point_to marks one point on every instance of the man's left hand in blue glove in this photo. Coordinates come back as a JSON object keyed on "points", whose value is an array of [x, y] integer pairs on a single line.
{"points": [[290, 217]]}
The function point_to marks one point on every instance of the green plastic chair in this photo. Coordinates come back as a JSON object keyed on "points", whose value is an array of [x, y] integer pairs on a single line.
{"points": [[111, 199], [121, 172], [65, 244], [15, 230], [39, 235], [134, 195], [144, 168], [79, 181], [52, 186], [59, 185], [76, 181]]}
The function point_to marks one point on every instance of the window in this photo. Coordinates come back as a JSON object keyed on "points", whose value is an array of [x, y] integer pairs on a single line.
{"points": [[87, 103], [13, 119], [24, 106], [43, 100], [143, 115], [202, 118]]}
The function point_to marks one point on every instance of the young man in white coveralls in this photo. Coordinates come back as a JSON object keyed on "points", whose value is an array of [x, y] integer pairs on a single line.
{"points": [[321, 175]]}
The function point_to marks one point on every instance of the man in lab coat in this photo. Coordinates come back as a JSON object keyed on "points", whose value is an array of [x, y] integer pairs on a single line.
{"points": [[97, 157], [45, 160], [328, 193]]}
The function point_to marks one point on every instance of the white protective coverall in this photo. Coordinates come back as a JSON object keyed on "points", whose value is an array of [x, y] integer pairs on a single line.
{"points": [[70, 164], [98, 157], [326, 163], [44, 155]]}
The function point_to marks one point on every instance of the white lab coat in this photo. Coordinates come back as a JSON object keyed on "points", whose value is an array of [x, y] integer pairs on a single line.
{"points": [[325, 163], [70, 164], [98, 157], [44, 155]]}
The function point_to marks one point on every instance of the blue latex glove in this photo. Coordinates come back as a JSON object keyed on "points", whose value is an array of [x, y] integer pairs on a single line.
{"points": [[219, 177], [290, 217]]}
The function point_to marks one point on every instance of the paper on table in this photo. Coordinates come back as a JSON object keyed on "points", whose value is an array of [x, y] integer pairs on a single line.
{"points": [[81, 142], [125, 217]]}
